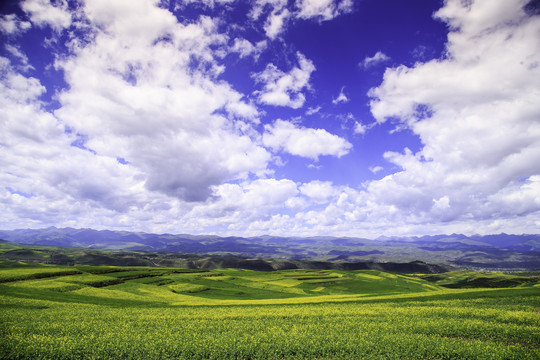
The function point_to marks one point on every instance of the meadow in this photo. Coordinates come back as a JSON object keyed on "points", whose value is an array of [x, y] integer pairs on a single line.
{"points": [[102, 312]]}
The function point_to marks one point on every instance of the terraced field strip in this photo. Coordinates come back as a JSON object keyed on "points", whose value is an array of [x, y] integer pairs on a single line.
{"points": [[35, 273]]}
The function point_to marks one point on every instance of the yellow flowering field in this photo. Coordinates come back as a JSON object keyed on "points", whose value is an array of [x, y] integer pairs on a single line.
{"points": [[157, 313]]}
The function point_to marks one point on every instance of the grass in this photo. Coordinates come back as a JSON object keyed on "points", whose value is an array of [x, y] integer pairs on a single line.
{"points": [[160, 313]]}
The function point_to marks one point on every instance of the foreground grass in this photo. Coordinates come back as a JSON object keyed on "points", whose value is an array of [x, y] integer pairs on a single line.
{"points": [[106, 313]]}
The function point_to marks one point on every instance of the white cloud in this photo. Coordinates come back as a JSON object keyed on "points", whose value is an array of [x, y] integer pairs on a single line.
{"points": [[20, 56], [323, 9], [16, 88], [11, 24], [245, 48], [378, 58], [260, 5], [313, 110], [341, 99], [297, 203], [285, 89], [175, 124], [44, 179], [161, 88], [359, 128], [305, 142], [243, 110], [276, 22], [186, 134], [44, 13], [375, 169], [317, 190], [208, 3], [422, 53], [476, 113], [258, 193], [277, 17], [521, 197], [239, 204], [442, 203], [278, 13]]}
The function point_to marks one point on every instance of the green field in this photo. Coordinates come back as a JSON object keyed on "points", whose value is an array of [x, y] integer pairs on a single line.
{"points": [[84, 312]]}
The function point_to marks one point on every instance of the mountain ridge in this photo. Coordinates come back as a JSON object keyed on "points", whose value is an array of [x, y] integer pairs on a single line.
{"points": [[495, 250]]}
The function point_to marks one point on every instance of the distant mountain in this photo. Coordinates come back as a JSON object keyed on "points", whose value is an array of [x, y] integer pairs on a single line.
{"points": [[490, 251], [14, 254]]}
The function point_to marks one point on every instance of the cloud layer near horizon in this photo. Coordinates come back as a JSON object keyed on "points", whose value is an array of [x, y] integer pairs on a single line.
{"points": [[153, 138]]}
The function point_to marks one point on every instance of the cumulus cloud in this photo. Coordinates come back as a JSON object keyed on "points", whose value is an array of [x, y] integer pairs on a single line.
{"points": [[275, 24], [208, 3], [285, 89], [241, 203], [305, 142], [47, 13], [245, 48], [11, 24], [139, 133], [520, 197], [378, 58], [313, 110], [317, 190], [20, 56], [341, 98], [46, 180], [259, 7], [323, 9], [277, 16], [279, 13], [375, 169], [152, 138], [160, 87], [359, 128], [156, 105], [476, 113]]}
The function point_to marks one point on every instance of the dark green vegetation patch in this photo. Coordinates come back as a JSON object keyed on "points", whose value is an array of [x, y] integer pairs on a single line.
{"points": [[469, 279]]}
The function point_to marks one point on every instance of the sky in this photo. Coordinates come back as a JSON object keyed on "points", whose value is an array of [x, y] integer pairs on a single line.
{"points": [[282, 117]]}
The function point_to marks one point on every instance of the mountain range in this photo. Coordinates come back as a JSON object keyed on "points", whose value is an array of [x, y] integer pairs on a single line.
{"points": [[484, 251]]}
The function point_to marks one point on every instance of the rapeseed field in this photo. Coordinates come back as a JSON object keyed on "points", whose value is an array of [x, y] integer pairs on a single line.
{"points": [[50, 312]]}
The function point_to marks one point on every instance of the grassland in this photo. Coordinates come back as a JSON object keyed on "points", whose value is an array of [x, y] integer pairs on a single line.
{"points": [[98, 312]]}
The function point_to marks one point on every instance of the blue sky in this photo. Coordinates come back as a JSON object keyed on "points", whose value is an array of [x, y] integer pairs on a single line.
{"points": [[304, 117]]}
